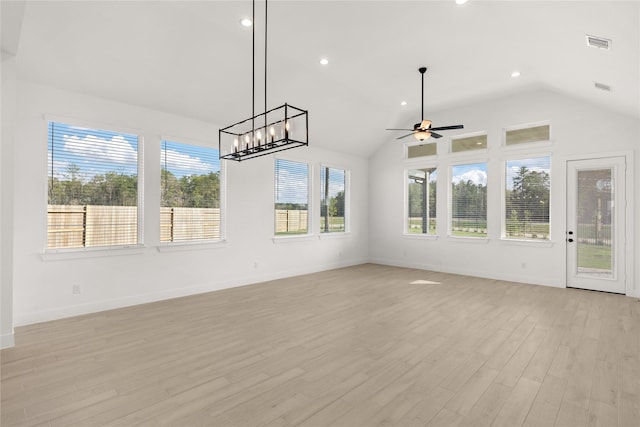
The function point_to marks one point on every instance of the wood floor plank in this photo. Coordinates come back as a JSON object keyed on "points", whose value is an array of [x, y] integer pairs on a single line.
{"points": [[359, 346]]}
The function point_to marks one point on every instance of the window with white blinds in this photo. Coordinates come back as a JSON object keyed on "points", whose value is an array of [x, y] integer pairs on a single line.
{"points": [[469, 200], [332, 200], [92, 188], [291, 197], [527, 190], [421, 201], [190, 193]]}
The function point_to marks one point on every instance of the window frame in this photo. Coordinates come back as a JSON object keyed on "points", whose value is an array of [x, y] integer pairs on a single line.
{"points": [[503, 198], [203, 243], [347, 202], [95, 251], [310, 202]]}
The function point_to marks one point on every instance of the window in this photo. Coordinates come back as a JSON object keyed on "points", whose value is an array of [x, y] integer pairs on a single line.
{"points": [[422, 150], [527, 134], [92, 188], [469, 200], [291, 198], [190, 193], [527, 199], [421, 201], [468, 143], [332, 200]]}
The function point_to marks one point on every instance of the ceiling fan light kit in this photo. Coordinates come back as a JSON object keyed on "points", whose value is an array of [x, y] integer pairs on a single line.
{"points": [[277, 129], [423, 130]]}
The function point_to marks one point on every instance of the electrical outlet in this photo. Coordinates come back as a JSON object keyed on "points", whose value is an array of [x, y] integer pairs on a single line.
{"points": [[76, 289], [255, 264]]}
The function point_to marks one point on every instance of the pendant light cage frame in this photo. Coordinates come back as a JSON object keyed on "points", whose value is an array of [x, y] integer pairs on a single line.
{"points": [[278, 129]]}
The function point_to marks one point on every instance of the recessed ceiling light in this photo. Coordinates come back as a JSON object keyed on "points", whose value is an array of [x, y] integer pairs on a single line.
{"points": [[515, 74], [246, 22], [324, 61], [403, 103], [461, 1]]}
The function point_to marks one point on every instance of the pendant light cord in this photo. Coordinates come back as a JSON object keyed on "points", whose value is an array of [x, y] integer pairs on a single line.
{"points": [[265, 68], [422, 119], [253, 68]]}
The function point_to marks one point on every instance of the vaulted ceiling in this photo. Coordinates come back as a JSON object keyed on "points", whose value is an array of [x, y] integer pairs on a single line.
{"points": [[193, 58]]}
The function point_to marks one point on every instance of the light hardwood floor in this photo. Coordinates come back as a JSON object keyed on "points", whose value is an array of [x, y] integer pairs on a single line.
{"points": [[362, 346]]}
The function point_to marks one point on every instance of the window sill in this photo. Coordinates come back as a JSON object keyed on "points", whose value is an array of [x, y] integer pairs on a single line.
{"points": [[524, 242], [420, 236], [334, 235], [293, 239], [474, 240], [64, 254], [192, 246]]}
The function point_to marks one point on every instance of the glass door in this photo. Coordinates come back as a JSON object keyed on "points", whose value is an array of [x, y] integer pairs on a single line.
{"points": [[595, 224]]}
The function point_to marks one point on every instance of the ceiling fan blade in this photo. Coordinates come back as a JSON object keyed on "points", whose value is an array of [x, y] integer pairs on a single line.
{"points": [[404, 136], [447, 127], [435, 135], [399, 129]]}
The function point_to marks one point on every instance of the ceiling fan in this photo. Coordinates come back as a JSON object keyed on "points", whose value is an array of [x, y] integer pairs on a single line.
{"points": [[423, 130]]}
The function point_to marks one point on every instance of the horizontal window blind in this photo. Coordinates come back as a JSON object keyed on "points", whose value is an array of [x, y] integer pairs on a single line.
{"points": [[422, 150], [291, 197], [527, 190], [468, 143], [527, 135], [469, 200], [92, 187], [332, 200], [190, 193], [421, 198]]}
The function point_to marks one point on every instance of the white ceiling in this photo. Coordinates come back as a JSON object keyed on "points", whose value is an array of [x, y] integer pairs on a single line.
{"points": [[194, 59]]}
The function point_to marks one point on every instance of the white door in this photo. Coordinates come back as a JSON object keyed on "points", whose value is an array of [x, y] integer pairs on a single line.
{"points": [[596, 224]]}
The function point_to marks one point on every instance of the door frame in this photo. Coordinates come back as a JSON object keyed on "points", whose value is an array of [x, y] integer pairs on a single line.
{"points": [[628, 212]]}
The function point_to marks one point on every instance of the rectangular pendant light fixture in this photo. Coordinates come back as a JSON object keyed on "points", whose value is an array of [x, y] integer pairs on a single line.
{"points": [[278, 129]]}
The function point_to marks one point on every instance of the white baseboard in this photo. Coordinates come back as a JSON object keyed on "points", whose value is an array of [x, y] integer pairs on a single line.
{"points": [[7, 340], [97, 306], [472, 272]]}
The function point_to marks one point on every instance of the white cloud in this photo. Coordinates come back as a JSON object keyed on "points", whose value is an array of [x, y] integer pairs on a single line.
{"points": [[181, 161], [116, 150], [476, 176]]}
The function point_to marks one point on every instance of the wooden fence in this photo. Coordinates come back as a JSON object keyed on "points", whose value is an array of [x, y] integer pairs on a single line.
{"points": [[188, 224], [291, 221], [72, 226]]}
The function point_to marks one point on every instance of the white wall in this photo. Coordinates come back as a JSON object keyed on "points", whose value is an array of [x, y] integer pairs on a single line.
{"points": [[43, 285], [8, 119], [577, 129]]}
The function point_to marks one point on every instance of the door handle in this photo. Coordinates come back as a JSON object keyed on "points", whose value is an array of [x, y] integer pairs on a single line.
{"points": [[569, 240]]}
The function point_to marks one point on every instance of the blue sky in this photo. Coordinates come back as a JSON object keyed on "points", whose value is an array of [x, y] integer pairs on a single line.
{"points": [[118, 152], [292, 182], [539, 164], [476, 173]]}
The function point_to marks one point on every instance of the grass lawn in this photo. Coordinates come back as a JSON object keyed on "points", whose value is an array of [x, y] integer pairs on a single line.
{"points": [[594, 256]]}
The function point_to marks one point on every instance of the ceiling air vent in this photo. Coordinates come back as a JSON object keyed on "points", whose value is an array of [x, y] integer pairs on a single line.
{"points": [[602, 86], [599, 42]]}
